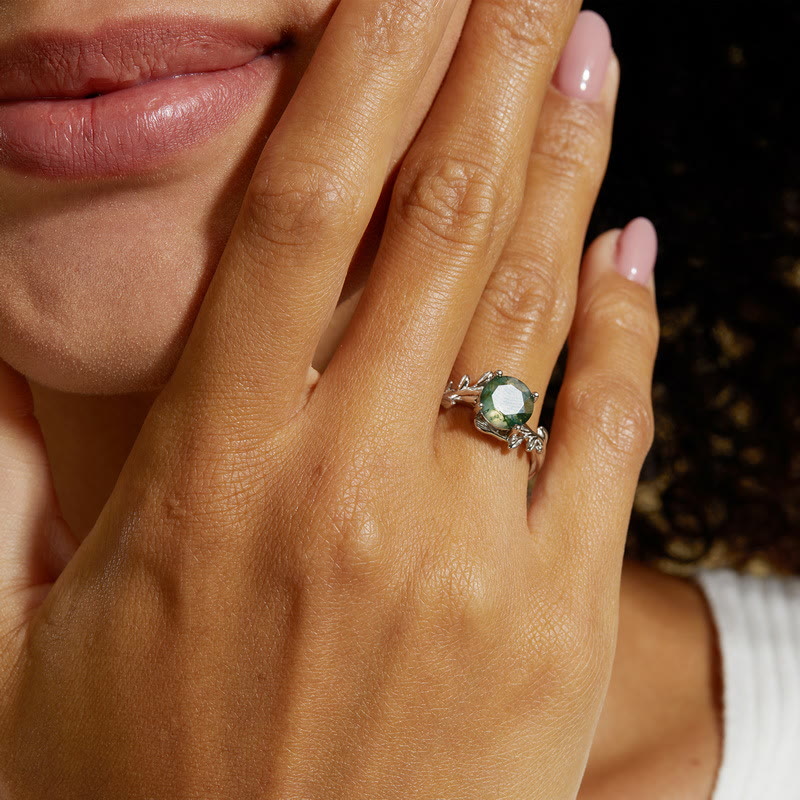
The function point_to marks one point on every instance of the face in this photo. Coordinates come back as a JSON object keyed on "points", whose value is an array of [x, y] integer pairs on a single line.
{"points": [[127, 139]]}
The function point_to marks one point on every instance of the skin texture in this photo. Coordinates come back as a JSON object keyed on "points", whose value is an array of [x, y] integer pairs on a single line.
{"points": [[229, 503]]}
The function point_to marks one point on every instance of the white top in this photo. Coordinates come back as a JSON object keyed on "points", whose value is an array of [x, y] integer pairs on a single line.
{"points": [[758, 626]]}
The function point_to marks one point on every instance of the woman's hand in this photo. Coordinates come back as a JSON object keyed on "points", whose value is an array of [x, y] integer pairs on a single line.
{"points": [[311, 586]]}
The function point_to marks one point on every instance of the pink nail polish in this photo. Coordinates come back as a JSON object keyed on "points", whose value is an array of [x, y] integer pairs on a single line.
{"points": [[637, 248], [582, 69]]}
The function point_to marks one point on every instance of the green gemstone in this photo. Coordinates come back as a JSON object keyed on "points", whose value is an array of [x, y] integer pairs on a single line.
{"points": [[506, 402]]}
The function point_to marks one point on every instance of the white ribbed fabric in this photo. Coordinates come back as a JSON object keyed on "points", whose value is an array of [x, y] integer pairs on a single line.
{"points": [[758, 624]]}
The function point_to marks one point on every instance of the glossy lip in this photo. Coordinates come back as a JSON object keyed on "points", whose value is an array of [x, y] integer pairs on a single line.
{"points": [[127, 98]]}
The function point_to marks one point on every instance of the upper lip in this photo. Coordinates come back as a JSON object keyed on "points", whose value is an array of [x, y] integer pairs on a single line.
{"points": [[121, 56]]}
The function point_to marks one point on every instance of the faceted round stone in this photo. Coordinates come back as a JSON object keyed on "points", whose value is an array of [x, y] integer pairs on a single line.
{"points": [[506, 402]]}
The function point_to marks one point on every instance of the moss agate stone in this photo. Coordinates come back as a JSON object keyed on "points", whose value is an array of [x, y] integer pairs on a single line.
{"points": [[506, 402]]}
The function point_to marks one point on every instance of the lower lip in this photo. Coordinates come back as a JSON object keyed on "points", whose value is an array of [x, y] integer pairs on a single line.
{"points": [[131, 130]]}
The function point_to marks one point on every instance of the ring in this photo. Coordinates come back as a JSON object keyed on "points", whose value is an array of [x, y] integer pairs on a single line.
{"points": [[502, 407]]}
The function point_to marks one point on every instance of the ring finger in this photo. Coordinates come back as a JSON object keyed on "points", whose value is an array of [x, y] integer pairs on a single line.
{"points": [[525, 311]]}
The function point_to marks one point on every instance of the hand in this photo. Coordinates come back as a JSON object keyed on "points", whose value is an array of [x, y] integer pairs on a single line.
{"points": [[322, 586]]}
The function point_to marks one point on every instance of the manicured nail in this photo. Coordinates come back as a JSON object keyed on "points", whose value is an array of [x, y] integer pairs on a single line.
{"points": [[581, 71], [637, 248]]}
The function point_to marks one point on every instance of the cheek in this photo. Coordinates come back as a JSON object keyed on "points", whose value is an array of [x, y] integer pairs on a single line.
{"points": [[99, 296]]}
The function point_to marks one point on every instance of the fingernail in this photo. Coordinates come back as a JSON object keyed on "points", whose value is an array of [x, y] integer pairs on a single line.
{"points": [[582, 69], [637, 248]]}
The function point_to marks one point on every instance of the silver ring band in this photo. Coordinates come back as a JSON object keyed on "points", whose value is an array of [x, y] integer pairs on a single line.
{"points": [[502, 405]]}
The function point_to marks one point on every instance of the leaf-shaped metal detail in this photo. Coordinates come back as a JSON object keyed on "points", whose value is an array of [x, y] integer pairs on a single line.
{"points": [[482, 424]]}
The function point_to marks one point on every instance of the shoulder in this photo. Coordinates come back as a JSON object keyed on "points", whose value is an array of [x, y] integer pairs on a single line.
{"points": [[660, 734], [757, 621]]}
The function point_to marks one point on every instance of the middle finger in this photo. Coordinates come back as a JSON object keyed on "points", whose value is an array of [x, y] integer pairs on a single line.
{"points": [[455, 199]]}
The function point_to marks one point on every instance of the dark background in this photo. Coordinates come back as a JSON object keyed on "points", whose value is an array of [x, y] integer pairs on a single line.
{"points": [[705, 145]]}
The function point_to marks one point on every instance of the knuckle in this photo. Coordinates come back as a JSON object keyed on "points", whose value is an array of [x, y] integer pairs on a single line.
{"points": [[574, 661], [569, 145], [568, 637], [294, 202], [211, 493], [522, 29], [394, 28], [463, 591], [347, 549], [201, 514], [472, 593], [344, 543], [527, 296], [627, 309], [216, 468], [456, 200], [617, 412]]}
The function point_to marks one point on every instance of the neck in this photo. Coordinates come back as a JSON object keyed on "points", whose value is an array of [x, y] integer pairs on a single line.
{"points": [[88, 439]]}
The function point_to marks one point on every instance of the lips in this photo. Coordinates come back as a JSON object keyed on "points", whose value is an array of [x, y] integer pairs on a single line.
{"points": [[128, 99]]}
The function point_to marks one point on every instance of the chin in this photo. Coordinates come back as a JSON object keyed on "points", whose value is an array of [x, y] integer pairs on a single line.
{"points": [[117, 336], [116, 363]]}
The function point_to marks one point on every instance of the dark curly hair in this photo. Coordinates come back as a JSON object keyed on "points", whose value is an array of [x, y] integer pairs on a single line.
{"points": [[703, 146]]}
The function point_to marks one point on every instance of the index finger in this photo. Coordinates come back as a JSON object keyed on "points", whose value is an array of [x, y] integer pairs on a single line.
{"points": [[310, 200]]}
